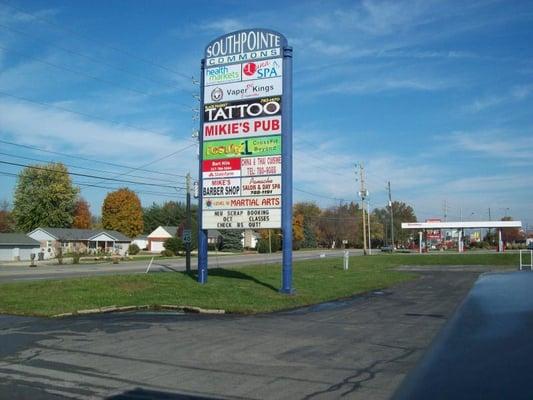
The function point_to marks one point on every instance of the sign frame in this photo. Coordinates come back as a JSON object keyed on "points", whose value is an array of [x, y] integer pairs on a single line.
{"points": [[238, 39]]}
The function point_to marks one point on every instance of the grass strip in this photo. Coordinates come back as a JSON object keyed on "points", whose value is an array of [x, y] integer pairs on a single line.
{"points": [[239, 290]]}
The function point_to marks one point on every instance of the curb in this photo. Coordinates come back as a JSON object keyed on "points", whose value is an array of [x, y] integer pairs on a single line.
{"points": [[171, 307]]}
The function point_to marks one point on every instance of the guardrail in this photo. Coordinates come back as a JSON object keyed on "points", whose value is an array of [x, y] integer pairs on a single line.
{"points": [[530, 265]]}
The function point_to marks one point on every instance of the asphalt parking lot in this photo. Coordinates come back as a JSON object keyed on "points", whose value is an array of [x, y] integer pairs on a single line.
{"points": [[360, 348]]}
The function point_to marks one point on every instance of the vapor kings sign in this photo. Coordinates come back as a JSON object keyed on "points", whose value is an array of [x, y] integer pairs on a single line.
{"points": [[241, 161]]}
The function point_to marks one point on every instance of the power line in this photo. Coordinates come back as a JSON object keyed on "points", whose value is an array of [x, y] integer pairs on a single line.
{"points": [[154, 161], [170, 195], [82, 168], [320, 195], [90, 176], [86, 159], [114, 48], [95, 78], [90, 116], [91, 58]]}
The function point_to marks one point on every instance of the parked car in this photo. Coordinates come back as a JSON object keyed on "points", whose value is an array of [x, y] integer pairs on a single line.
{"points": [[387, 249]]}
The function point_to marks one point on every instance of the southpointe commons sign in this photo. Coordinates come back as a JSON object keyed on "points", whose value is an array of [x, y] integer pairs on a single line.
{"points": [[245, 166]]}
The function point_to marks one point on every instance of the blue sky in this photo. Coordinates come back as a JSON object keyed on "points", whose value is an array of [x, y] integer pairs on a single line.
{"points": [[435, 96]]}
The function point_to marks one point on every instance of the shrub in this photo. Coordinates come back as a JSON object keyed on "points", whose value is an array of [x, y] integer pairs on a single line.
{"points": [[174, 244], [133, 249], [76, 257], [167, 253], [262, 246], [212, 247]]}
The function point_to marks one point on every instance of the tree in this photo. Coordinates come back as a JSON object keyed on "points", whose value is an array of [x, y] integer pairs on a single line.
{"points": [[297, 231], [402, 212], [171, 213], [44, 196], [340, 223], [6, 219], [174, 244], [270, 240], [310, 212], [82, 215], [122, 212], [231, 240], [511, 235]]}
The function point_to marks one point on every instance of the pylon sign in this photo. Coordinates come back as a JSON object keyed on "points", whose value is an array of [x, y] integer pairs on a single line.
{"points": [[245, 168], [242, 128]]}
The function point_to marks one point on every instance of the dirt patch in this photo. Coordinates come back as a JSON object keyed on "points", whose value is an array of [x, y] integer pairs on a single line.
{"points": [[131, 287]]}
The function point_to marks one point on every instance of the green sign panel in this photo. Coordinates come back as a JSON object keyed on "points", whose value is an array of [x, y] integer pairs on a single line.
{"points": [[235, 148]]}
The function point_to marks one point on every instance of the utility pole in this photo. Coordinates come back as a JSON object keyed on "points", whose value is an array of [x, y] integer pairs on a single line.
{"points": [[369, 238], [391, 217], [187, 235], [363, 193], [445, 209]]}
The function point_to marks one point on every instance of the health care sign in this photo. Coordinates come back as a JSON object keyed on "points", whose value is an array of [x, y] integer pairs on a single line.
{"points": [[245, 169], [242, 128]]}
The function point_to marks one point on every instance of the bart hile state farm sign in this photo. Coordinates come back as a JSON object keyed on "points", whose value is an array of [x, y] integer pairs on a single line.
{"points": [[240, 161]]}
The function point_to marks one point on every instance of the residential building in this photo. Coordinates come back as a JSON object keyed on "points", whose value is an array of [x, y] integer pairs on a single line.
{"points": [[249, 239], [157, 238], [17, 247], [81, 240], [141, 241]]}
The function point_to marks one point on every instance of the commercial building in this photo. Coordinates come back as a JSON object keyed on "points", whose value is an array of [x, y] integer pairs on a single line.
{"points": [[423, 227]]}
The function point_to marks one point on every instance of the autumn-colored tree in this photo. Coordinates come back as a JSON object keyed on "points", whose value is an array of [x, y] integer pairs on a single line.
{"points": [[297, 230], [82, 215], [311, 213], [6, 219], [122, 212], [511, 235]]}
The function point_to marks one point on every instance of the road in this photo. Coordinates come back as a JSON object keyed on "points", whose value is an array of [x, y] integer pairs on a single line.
{"points": [[24, 273], [358, 349]]}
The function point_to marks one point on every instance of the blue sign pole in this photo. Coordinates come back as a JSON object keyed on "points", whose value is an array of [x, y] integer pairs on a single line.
{"points": [[202, 233], [286, 172]]}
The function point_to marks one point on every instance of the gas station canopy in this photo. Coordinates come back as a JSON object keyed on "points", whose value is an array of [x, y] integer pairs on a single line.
{"points": [[462, 225]]}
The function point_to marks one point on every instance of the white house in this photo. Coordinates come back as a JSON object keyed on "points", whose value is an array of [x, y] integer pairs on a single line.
{"points": [[141, 241], [17, 247], [157, 238], [249, 239], [81, 240]]}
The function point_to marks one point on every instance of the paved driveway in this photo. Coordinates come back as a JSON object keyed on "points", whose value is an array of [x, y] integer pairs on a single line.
{"points": [[356, 349]]}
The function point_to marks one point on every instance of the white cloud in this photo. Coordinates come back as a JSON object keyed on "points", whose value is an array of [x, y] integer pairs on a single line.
{"points": [[65, 132], [223, 25], [505, 145], [378, 85], [515, 94]]}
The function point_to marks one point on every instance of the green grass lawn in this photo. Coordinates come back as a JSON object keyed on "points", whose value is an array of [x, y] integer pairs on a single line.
{"points": [[239, 290]]}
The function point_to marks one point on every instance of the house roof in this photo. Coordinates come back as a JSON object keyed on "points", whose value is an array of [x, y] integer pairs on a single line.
{"points": [[141, 237], [213, 233], [83, 234], [19, 239], [171, 230]]}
